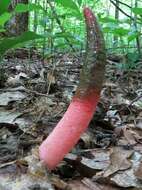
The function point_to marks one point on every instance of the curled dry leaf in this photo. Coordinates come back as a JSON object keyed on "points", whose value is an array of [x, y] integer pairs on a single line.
{"points": [[138, 172], [7, 97], [119, 161], [85, 140], [87, 184], [8, 117], [129, 135], [126, 179], [59, 183], [88, 167]]}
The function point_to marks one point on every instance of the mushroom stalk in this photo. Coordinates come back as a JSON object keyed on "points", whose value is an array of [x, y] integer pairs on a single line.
{"points": [[83, 105]]}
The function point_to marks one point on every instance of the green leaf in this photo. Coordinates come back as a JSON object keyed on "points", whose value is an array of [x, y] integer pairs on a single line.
{"points": [[4, 4], [132, 36], [63, 35], [108, 20], [21, 7], [2, 30], [79, 2], [132, 57], [69, 4], [137, 11], [8, 43], [107, 29], [120, 31], [4, 18]]}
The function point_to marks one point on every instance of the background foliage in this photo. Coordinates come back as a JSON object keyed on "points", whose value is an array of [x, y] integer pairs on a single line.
{"points": [[60, 24]]}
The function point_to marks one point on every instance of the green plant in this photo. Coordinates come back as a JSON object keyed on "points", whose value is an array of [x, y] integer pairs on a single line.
{"points": [[130, 62], [7, 43]]}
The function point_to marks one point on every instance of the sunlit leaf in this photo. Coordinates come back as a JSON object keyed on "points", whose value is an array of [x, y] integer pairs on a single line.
{"points": [[8, 43], [4, 18], [69, 4], [108, 20], [21, 7], [132, 36], [79, 2], [120, 31], [137, 11], [4, 6]]}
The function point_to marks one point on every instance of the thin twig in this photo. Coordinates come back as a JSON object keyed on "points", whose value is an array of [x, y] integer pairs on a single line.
{"points": [[121, 10], [136, 99], [124, 4], [35, 92], [52, 73]]}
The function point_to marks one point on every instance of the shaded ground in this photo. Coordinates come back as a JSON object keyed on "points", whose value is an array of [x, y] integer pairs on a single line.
{"points": [[34, 96]]}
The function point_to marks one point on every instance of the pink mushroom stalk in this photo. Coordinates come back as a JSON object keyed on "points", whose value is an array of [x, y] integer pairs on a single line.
{"points": [[83, 105]]}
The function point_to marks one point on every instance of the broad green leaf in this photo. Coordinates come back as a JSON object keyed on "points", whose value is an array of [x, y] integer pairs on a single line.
{"points": [[79, 2], [73, 14], [70, 4], [77, 14], [137, 11], [4, 4], [132, 36], [67, 4], [34, 7], [2, 30], [116, 31], [108, 20], [21, 7], [107, 30], [4, 18], [120, 31], [8, 43], [63, 35]]}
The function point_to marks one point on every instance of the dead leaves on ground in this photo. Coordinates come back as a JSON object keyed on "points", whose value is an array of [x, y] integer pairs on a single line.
{"points": [[107, 157]]}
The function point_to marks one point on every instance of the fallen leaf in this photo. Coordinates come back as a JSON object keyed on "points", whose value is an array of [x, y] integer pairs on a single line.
{"points": [[88, 167], [88, 184], [138, 172], [119, 161], [126, 179], [128, 134], [7, 97], [8, 116]]}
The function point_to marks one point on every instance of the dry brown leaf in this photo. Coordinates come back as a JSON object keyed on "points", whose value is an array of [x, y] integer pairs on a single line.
{"points": [[85, 140], [58, 183], [88, 167], [128, 134], [87, 184], [78, 185], [119, 161], [138, 172], [7, 97], [126, 179]]}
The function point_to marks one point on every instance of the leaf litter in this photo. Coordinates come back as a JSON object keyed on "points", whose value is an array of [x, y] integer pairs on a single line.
{"points": [[109, 153]]}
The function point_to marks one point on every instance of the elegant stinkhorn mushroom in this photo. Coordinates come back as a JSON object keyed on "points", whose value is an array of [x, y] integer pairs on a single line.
{"points": [[83, 105]]}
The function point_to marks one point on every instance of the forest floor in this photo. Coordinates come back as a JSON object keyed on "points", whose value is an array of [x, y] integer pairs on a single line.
{"points": [[33, 98]]}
